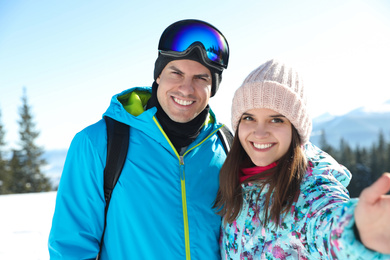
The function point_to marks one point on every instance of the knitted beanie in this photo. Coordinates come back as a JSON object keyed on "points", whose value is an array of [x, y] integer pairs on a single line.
{"points": [[276, 86]]}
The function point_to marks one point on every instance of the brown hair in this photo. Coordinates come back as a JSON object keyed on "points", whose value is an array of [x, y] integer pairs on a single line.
{"points": [[283, 183]]}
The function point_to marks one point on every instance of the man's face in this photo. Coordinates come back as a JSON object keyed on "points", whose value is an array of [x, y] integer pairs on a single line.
{"points": [[184, 89]]}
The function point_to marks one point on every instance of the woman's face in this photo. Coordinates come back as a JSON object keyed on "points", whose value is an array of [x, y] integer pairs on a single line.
{"points": [[265, 135]]}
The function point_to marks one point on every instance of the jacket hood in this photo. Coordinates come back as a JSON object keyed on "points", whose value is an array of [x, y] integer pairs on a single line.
{"points": [[128, 107]]}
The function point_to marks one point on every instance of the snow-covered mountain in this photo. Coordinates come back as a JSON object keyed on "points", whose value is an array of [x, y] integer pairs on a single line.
{"points": [[360, 127]]}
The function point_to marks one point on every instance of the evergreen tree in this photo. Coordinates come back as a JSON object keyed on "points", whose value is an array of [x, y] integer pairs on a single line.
{"points": [[347, 158], [362, 176], [373, 159], [4, 172], [378, 157], [387, 166], [387, 156], [381, 153], [20, 182], [362, 156], [365, 164], [325, 146], [26, 163], [346, 155]]}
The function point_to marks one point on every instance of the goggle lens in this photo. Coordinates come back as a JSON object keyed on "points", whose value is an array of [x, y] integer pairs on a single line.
{"points": [[179, 36]]}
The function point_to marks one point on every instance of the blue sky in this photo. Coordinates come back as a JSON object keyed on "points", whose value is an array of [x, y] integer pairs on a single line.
{"points": [[73, 56]]}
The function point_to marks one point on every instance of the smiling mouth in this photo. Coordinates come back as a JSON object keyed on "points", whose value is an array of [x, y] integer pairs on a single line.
{"points": [[262, 146], [182, 102]]}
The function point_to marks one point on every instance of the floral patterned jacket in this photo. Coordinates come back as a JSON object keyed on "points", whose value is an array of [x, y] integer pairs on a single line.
{"points": [[319, 225]]}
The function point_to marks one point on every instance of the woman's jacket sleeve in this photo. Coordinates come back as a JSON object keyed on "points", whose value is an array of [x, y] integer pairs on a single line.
{"points": [[330, 211]]}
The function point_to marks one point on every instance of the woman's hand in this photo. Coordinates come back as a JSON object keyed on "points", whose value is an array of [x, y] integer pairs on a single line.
{"points": [[372, 215]]}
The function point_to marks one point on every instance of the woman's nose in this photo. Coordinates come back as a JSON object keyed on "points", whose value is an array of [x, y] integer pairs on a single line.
{"points": [[260, 130]]}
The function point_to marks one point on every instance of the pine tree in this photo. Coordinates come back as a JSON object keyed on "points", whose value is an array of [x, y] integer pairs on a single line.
{"points": [[365, 164], [26, 163], [20, 182], [378, 157], [362, 177], [381, 153], [387, 166], [346, 155], [325, 146], [387, 157], [347, 158], [4, 172]]}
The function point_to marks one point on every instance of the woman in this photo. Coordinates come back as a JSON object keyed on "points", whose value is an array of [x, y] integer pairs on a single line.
{"points": [[283, 198]]}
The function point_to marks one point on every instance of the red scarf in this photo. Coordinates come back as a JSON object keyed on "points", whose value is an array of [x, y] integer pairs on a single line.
{"points": [[245, 173]]}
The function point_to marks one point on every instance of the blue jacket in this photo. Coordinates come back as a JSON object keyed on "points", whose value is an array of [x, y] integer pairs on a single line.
{"points": [[161, 207]]}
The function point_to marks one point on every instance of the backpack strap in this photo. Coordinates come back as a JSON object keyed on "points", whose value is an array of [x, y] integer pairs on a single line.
{"points": [[226, 137], [118, 135]]}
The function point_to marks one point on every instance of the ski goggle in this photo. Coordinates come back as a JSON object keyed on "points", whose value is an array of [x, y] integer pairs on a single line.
{"points": [[181, 37]]}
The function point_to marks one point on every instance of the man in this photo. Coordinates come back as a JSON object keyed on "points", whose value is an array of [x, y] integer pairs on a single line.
{"points": [[161, 207]]}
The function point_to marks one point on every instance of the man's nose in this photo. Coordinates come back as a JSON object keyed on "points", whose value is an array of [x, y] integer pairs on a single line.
{"points": [[186, 86]]}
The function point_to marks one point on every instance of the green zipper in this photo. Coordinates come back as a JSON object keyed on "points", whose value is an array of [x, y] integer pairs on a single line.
{"points": [[183, 187], [184, 204]]}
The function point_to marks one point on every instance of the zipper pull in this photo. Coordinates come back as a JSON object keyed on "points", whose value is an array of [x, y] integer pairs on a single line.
{"points": [[181, 168]]}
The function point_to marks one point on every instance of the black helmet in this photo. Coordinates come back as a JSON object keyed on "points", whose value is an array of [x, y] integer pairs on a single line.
{"points": [[194, 40]]}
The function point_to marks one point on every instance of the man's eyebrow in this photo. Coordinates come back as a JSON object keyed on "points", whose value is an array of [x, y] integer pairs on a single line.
{"points": [[172, 67], [202, 75], [205, 75]]}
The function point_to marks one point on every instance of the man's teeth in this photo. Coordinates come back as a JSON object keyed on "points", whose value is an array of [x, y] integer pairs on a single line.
{"points": [[262, 146], [183, 102]]}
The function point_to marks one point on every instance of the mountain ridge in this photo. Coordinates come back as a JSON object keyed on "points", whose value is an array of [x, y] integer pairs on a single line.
{"points": [[359, 127]]}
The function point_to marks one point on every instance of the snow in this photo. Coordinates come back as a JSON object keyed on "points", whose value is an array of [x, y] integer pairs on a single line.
{"points": [[25, 222]]}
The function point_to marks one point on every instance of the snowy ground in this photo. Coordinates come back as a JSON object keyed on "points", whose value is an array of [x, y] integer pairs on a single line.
{"points": [[25, 221]]}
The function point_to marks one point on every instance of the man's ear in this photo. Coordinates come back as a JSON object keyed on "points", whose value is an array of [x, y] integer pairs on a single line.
{"points": [[158, 80]]}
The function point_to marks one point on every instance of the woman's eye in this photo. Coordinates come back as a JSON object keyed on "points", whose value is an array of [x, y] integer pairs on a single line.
{"points": [[247, 118], [277, 120]]}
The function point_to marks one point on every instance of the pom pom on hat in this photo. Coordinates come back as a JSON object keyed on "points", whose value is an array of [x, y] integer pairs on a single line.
{"points": [[276, 86]]}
